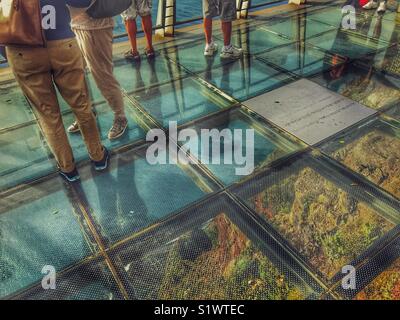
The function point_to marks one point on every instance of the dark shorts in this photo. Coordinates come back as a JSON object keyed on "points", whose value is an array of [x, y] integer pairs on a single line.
{"points": [[226, 9]]}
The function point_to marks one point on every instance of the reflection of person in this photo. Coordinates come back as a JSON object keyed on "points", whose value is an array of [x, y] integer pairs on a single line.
{"points": [[95, 38], [143, 9], [226, 9], [3, 52], [60, 63], [373, 4]]}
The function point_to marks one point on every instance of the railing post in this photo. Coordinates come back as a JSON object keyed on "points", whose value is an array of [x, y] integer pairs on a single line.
{"points": [[166, 18], [243, 7]]}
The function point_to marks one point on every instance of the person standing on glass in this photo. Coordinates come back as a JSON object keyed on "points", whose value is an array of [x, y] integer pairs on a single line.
{"points": [[226, 10], [95, 39], [39, 71], [143, 9]]}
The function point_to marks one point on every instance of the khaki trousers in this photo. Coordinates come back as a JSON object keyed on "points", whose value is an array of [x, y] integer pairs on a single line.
{"points": [[37, 70], [96, 46]]}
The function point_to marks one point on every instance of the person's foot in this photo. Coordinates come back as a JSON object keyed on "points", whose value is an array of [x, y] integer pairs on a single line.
{"points": [[150, 54], [70, 176], [211, 49], [382, 7], [371, 5], [132, 56], [118, 128], [103, 163], [231, 52], [74, 128]]}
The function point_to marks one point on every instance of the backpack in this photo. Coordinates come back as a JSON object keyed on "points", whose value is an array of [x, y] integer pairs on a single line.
{"points": [[107, 8]]}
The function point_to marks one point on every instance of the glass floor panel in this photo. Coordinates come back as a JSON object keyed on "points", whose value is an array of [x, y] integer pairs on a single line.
{"points": [[191, 56], [207, 254], [23, 156], [90, 281], [372, 150], [181, 101], [257, 39], [142, 194], [297, 27], [15, 109], [385, 286], [302, 60], [328, 225], [372, 89], [270, 144], [246, 78], [394, 112], [347, 44], [105, 118], [147, 73], [38, 227]]}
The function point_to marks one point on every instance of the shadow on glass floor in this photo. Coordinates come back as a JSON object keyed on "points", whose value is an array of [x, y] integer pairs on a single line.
{"points": [[324, 213], [211, 251], [140, 195], [39, 226]]}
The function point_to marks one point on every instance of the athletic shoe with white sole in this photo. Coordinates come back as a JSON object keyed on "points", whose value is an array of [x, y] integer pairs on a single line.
{"points": [[382, 8], [118, 129], [231, 52], [103, 163], [371, 5], [210, 49], [70, 176]]}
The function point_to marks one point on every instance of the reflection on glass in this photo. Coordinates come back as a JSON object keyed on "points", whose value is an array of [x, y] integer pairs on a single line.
{"points": [[257, 39], [384, 287], [269, 145], [326, 225], [365, 86], [144, 74], [373, 151], [245, 78], [37, 228], [181, 101], [14, 109], [142, 194], [303, 60], [214, 260]]}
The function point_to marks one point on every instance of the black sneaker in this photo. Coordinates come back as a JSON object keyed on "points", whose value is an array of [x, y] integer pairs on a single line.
{"points": [[103, 163], [72, 176]]}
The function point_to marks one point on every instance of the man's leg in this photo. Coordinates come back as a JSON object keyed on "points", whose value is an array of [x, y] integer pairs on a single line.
{"points": [[228, 15], [210, 10], [129, 16], [227, 32], [69, 75], [96, 46], [147, 24], [32, 70]]}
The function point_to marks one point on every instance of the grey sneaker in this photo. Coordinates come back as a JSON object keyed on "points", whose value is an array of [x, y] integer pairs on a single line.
{"points": [[382, 7], [231, 52], [210, 49], [118, 129]]}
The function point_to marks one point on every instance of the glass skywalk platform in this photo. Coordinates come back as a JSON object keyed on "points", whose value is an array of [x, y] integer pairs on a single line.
{"points": [[199, 231]]}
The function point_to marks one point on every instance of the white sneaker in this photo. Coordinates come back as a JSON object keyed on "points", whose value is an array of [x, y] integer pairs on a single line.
{"points": [[382, 7], [371, 5], [231, 52], [211, 49]]}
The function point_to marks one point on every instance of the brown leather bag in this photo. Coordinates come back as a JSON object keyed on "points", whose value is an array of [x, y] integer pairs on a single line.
{"points": [[21, 23]]}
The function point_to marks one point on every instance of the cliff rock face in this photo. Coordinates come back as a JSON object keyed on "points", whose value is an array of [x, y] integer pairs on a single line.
{"points": [[377, 157], [327, 226], [384, 287], [219, 262]]}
